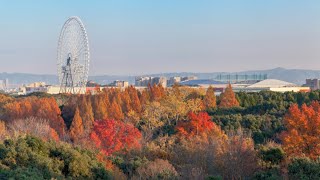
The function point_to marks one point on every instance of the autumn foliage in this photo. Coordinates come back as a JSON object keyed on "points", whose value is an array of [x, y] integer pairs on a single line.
{"points": [[100, 104], [228, 98], [76, 128], [303, 131], [210, 98], [156, 92], [43, 108], [170, 133], [238, 156], [115, 136], [197, 124], [115, 111]]}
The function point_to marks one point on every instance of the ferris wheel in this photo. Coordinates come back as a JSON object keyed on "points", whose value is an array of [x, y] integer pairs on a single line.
{"points": [[73, 56]]}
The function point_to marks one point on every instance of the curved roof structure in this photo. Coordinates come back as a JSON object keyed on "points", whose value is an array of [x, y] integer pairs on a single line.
{"points": [[272, 83]]}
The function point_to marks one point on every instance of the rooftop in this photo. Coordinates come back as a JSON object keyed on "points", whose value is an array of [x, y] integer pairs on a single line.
{"points": [[272, 83], [195, 82]]}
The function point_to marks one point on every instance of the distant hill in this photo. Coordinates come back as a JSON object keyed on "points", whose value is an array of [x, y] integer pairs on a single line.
{"points": [[296, 76]]}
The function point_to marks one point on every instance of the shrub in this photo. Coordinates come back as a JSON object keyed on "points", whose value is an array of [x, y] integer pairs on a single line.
{"points": [[304, 168], [32, 158], [157, 169]]}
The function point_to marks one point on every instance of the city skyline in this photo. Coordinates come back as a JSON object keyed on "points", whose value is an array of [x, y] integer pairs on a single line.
{"points": [[157, 37]]}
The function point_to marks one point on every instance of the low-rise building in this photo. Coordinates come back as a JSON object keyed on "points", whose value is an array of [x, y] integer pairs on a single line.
{"points": [[92, 84], [188, 78], [265, 85], [273, 85], [121, 84], [36, 84]]}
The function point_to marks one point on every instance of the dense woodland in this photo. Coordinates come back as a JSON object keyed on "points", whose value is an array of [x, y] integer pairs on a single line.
{"points": [[161, 133]]}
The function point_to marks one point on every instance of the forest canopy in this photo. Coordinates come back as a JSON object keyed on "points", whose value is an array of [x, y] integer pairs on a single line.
{"points": [[161, 133]]}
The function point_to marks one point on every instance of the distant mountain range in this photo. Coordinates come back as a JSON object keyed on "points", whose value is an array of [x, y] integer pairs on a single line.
{"points": [[296, 76]]}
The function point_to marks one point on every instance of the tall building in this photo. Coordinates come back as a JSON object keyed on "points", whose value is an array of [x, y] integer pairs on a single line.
{"points": [[159, 80], [313, 84], [7, 83], [142, 81], [145, 81], [4, 84], [173, 80]]}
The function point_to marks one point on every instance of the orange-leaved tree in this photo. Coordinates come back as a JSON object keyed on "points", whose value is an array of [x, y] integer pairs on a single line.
{"points": [[126, 102], [86, 113], [76, 128], [115, 136], [115, 111], [302, 135], [144, 97], [210, 98], [99, 106], [156, 92], [197, 124], [43, 108], [54, 135], [135, 102], [228, 98]]}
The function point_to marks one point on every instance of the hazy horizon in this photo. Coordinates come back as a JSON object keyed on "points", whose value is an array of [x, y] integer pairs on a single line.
{"points": [[150, 37], [172, 72]]}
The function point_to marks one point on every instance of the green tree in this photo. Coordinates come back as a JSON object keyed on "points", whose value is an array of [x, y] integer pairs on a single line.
{"points": [[32, 158], [304, 168]]}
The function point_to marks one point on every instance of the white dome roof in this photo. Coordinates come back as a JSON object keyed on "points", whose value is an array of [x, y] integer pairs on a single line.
{"points": [[272, 83]]}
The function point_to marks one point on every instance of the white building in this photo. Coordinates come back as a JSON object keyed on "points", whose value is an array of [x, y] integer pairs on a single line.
{"points": [[4, 84], [145, 81], [121, 84], [264, 85], [272, 85]]}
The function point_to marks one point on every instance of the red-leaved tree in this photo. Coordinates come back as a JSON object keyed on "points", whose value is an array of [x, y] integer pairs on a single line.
{"points": [[115, 136], [197, 124]]}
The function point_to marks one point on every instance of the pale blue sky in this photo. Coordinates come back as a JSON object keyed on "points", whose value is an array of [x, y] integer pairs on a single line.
{"points": [[153, 36]]}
